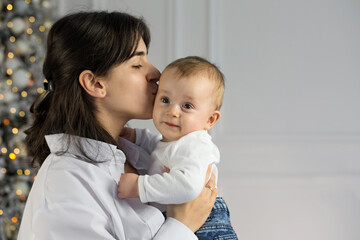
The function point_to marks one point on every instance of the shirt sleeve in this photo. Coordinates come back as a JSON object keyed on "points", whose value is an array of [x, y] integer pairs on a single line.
{"points": [[174, 230], [74, 221]]}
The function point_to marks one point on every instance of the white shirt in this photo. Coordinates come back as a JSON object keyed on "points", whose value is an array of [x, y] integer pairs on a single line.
{"points": [[188, 159], [75, 199]]}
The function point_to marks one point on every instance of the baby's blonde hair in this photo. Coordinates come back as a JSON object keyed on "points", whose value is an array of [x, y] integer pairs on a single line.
{"points": [[193, 65]]}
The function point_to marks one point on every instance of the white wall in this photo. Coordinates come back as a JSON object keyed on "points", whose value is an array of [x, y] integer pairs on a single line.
{"points": [[289, 133]]}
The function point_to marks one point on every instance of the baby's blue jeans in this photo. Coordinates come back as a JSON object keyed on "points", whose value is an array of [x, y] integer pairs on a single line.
{"points": [[217, 225]]}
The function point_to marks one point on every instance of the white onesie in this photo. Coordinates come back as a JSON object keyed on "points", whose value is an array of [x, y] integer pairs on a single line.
{"points": [[188, 159]]}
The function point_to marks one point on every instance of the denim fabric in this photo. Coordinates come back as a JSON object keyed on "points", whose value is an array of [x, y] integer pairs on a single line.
{"points": [[217, 225]]}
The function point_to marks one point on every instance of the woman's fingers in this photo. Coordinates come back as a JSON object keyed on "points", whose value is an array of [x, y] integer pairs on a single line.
{"points": [[208, 172], [210, 184], [214, 193]]}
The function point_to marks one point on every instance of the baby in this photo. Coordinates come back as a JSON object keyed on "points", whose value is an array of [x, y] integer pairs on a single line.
{"points": [[187, 104]]}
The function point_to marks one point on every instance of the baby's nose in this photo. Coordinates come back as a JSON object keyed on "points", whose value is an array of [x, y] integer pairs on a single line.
{"points": [[174, 110]]}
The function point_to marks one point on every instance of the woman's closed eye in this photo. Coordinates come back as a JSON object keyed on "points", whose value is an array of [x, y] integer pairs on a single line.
{"points": [[137, 66]]}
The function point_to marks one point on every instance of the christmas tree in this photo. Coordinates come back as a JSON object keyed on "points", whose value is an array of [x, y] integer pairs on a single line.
{"points": [[23, 28]]}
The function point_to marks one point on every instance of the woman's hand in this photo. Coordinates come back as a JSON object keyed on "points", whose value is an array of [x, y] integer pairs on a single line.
{"points": [[193, 214]]}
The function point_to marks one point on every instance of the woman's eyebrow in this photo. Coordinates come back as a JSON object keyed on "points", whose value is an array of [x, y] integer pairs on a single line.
{"points": [[139, 53]]}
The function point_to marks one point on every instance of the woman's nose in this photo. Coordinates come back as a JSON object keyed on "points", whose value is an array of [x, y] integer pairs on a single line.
{"points": [[154, 74]]}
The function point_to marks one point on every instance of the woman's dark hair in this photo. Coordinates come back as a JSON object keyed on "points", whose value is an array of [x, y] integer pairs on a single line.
{"points": [[95, 41]]}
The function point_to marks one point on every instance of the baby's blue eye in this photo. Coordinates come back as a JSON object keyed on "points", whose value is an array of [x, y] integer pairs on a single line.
{"points": [[165, 100]]}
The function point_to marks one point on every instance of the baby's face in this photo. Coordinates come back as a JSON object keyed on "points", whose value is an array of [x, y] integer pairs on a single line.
{"points": [[183, 105]]}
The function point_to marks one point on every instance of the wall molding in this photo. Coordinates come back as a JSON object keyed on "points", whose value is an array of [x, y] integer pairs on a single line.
{"points": [[215, 45], [174, 11]]}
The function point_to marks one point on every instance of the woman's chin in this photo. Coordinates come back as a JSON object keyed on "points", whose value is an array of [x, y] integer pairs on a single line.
{"points": [[144, 117]]}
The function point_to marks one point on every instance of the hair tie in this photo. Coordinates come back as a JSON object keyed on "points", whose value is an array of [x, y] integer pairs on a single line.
{"points": [[49, 86]]}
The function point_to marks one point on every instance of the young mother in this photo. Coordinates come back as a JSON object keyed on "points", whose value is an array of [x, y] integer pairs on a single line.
{"points": [[99, 78]]}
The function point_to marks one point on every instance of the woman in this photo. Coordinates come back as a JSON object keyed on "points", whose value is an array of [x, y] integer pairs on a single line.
{"points": [[99, 78]]}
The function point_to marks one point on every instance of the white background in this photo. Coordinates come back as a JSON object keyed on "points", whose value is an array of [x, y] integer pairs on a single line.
{"points": [[290, 128]]}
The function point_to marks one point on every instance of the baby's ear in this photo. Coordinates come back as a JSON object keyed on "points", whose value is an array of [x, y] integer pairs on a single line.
{"points": [[214, 117]]}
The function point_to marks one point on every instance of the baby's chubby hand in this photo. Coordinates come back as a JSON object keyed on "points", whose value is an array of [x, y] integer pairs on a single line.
{"points": [[129, 134], [128, 186]]}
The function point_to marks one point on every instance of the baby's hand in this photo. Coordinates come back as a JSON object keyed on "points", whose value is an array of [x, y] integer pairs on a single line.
{"points": [[129, 134], [128, 186]]}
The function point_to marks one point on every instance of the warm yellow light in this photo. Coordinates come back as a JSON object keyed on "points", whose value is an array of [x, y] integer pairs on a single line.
{"points": [[19, 171], [14, 219], [22, 114], [34, 177], [10, 55], [24, 94], [32, 59], [9, 71], [1, 96], [9, 82], [28, 74], [12, 39], [32, 19], [9, 7], [16, 150], [29, 31], [42, 28], [6, 121], [14, 89], [13, 110], [18, 192], [28, 1], [12, 227], [27, 172], [15, 131], [3, 150], [12, 156], [40, 90], [1, 212]]}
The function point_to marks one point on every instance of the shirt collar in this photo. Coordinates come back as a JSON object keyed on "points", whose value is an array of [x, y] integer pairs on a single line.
{"points": [[95, 150]]}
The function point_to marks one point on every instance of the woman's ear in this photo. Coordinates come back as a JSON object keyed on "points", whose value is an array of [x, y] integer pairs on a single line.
{"points": [[214, 117], [92, 85]]}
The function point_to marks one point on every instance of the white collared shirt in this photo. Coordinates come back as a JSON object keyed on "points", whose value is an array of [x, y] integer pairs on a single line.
{"points": [[72, 198]]}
